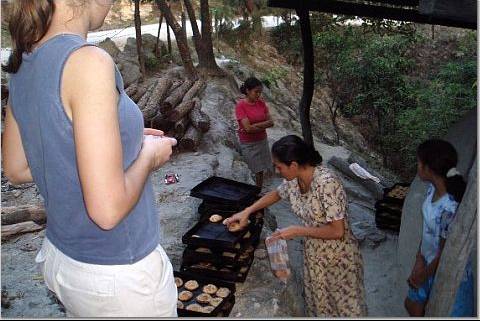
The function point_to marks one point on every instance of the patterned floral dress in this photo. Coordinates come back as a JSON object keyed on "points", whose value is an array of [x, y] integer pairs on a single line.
{"points": [[333, 269]]}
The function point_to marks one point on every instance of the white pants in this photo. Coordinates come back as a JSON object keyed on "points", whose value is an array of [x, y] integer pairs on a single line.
{"points": [[143, 289]]}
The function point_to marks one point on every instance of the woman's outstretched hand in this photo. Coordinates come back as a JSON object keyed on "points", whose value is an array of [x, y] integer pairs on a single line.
{"points": [[240, 218]]}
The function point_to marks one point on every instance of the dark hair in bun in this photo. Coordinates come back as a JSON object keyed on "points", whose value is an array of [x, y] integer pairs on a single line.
{"points": [[292, 148], [440, 156], [249, 84]]}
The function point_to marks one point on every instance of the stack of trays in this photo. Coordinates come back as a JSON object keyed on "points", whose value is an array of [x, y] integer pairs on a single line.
{"points": [[213, 250], [388, 212], [194, 303]]}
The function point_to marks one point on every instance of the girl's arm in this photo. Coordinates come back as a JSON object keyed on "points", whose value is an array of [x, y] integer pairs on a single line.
{"points": [[90, 97], [431, 269], [15, 165]]}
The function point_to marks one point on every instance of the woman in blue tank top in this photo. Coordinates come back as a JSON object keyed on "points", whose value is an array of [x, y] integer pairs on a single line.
{"points": [[72, 130]]}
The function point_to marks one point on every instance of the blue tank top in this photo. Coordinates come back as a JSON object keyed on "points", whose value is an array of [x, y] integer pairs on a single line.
{"points": [[47, 137]]}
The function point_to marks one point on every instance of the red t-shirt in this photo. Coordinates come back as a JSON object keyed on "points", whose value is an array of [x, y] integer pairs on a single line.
{"points": [[256, 113]]}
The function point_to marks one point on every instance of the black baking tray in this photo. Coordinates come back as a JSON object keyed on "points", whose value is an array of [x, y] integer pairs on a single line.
{"points": [[206, 208], [202, 280], [222, 190], [394, 200], [217, 236], [217, 257], [208, 234], [387, 207], [234, 275]]}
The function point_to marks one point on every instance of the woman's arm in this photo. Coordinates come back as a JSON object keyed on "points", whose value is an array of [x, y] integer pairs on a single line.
{"points": [[242, 217], [15, 165], [265, 124], [90, 96], [251, 128], [331, 231]]}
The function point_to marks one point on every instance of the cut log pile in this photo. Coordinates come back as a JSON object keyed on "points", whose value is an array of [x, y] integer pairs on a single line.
{"points": [[174, 107], [18, 220]]}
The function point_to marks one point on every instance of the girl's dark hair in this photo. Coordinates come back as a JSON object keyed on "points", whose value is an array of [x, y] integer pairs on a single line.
{"points": [[249, 84], [292, 148], [440, 156], [28, 23]]}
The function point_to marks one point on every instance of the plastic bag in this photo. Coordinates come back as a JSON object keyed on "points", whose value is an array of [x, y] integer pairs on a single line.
{"points": [[278, 256]]}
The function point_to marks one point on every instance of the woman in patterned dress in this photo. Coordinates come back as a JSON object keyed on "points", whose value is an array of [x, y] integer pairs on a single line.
{"points": [[333, 268]]}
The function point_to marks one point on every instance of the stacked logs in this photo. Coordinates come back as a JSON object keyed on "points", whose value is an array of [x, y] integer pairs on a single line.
{"points": [[172, 106]]}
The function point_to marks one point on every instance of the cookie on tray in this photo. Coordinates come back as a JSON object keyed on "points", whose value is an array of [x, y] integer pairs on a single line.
{"points": [[185, 295], [215, 302], [208, 309], [178, 282], [204, 298], [179, 305], [210, 289], [223, 292], [191, 285], [215, 218], [195, 307]]}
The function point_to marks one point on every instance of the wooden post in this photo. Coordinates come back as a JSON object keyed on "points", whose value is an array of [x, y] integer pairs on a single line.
{"points": [[308, 75], [138, 30], [456, 253], [157, 53]]}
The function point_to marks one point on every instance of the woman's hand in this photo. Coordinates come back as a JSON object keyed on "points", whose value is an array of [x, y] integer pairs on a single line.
{"points": [[157, 149], [153, 132], [240, 217], [287, 233]]}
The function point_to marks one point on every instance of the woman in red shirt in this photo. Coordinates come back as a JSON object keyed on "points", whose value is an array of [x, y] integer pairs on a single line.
{"points": [[253, 120]]}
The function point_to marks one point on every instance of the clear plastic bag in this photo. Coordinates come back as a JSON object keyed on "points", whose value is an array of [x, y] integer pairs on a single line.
{"points": [[278, 255]]}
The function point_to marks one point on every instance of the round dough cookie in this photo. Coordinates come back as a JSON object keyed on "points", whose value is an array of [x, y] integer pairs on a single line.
{"points": [[208, 309], [179, 305], [215, 218], [203, 298], [191, 285], [234, 227], [215, 302], [223, 292], [178, 282], [194, 307], [210, 289], [185, 295]]}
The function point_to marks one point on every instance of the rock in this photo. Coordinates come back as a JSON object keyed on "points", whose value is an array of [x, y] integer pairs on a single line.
{"points": [[261, 254], [109, 46], [130, 73]]}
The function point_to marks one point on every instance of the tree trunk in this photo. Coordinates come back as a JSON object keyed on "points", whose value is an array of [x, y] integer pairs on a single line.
{"points": [[23, 213], [191, 139], [158, 95], [181, 127], [142, 103], [160, 122], [26, 227], [157, 52], [199, 119], [131, 90], [192, 92], [181, 40], [142, 89], [138, 31], [181, 111], [206, 57], [175, 97]]}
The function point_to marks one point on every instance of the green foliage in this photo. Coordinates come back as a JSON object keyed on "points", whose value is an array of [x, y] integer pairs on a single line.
{"points": [[273, 75], [439, 104]]}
